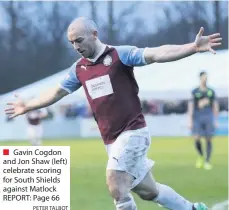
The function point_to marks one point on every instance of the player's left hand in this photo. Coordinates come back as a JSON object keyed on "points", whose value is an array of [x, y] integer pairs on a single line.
{"points": [[16, 108], [206, 43]]}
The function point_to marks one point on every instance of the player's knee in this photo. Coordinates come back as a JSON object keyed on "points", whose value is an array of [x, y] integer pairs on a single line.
{"points": [[116, 192], [117, 185]]}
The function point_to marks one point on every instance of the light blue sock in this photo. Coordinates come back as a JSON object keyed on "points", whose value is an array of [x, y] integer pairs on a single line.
{"points": [[170, 199]]}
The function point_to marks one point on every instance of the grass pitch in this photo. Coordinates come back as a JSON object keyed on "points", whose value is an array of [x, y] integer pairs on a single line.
{"points": [[175, 166]]}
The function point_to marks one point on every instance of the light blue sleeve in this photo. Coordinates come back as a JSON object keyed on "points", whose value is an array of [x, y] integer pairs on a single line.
{"points": [[71, 83], [131, 55]]}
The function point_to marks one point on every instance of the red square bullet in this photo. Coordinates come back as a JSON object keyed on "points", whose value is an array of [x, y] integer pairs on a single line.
{"points": [[5, 152]]}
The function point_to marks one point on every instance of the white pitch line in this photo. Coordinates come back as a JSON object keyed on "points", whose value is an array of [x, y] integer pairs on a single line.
{"points": [[220, 206]]}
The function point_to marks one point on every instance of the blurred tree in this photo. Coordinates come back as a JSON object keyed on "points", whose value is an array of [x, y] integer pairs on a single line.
{"points": [[179, 22], [111, 21], [93, 11], [127, 30], [14, 47], [37, 44], [224, 32], [53, 52], [33, 43], [193, 18], [217, 15], [118, 27]]}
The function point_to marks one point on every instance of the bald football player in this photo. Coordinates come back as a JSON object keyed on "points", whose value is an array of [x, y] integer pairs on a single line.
{"points": [[106, 74]]}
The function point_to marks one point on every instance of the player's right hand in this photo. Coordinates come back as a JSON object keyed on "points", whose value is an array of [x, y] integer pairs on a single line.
{"points": [[15, 108]]}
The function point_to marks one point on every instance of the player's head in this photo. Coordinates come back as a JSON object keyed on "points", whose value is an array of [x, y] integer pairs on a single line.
{"points": [[203, 77], [83, 34]]}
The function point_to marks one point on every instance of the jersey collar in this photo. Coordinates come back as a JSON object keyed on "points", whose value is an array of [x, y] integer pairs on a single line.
{"points": [[98, 55]]}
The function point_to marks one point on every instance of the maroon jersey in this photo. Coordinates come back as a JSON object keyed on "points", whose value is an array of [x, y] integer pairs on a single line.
{"points": [[33, 117], [111, 90]]}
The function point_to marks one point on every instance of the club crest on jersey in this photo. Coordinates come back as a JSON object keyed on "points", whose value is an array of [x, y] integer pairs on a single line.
{"points": [[107, 60]]}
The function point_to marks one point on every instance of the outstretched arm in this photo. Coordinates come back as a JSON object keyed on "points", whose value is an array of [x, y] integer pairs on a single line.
{"points": [[47, 98], [68, 85], [168, 53]]}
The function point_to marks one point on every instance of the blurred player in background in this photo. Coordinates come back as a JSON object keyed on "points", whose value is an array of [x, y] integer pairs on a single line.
{"points": [[203, 113], [106, 74], [35, 128]]}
